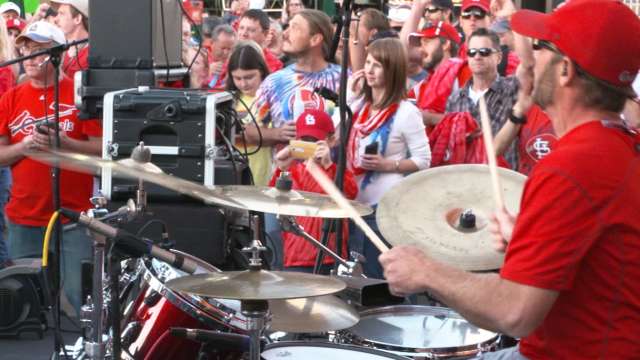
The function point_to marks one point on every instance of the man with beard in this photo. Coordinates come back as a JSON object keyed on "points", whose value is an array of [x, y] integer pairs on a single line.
{"points": [[438, 41], [568, 287]]}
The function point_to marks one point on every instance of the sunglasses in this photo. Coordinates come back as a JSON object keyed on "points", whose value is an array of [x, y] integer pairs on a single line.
{"points": [[433, 9], [484, 52], [477, 14], [542, 44]]}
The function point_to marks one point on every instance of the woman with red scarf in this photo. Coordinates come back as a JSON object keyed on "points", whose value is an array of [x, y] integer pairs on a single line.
{"points": [[387, 140]]}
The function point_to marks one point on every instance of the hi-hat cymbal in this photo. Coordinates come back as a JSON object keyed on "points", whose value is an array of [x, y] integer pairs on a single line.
{"points": [[292, 203], [257, 285], [425, 207], [315, 314]]}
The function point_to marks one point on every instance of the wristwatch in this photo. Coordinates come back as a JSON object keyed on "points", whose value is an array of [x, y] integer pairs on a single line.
{"points": [[518, 120]]}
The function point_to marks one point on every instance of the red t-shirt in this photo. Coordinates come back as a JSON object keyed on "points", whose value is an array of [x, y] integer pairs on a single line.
{"points": [[578, 233], [297, 250], [7, 79], [31, 201], [71, 65], [536, 139]]}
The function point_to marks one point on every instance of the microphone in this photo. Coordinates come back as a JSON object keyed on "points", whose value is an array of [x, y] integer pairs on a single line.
{"points": [[328, 94], [130, 243], [220, 340]]}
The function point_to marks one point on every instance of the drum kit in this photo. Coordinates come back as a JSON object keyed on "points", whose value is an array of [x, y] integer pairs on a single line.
{"points": [[169, 313]]}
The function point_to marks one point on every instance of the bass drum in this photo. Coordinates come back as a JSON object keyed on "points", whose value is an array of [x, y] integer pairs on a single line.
{"points": [[302, 350], [151, 314], [419, 332]]}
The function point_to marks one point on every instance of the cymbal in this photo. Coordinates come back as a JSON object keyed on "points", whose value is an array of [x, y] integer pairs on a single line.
{"points": [[244, 197], [315, 314], [425, 207], [257, 285], [292, 203]]}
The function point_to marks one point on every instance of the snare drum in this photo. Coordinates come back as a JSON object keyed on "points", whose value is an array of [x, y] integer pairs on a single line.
{"points": [[419, 332], [303, 350], [150, 315]]}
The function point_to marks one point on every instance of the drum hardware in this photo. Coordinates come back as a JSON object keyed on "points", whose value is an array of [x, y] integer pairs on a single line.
{"points": [[365, 292]]}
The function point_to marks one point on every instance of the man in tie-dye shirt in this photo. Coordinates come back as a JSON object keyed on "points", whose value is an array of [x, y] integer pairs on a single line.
{"points": [[287, 93]]}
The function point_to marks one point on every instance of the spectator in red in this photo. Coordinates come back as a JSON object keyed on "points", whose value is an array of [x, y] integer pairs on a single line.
{"points": [[223, 39], [14, 28], [26, 115], [73, 19], [254, 25], [317, 127], [438, 41]]}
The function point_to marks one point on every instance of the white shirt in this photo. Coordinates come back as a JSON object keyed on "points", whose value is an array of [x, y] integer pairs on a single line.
{"points": [[407, 140]]}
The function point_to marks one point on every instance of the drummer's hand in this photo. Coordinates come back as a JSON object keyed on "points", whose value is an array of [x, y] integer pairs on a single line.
{"points": [[284, 158], [501, 227], [376, 162], [400, 265]]}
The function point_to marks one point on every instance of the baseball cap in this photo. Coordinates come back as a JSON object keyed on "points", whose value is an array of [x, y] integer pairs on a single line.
{"points": [[8, 6], [439, 29], [601, 36], [315, 123], [42, 32], [399, 14], [500, 26], [442, 4], [80, 5], [16, 24], [482, 4]]}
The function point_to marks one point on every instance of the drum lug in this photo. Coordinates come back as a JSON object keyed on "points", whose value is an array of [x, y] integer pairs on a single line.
{"points": [[130, 333]]}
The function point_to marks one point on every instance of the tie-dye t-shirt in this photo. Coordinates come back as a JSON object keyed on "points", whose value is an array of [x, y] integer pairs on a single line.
{"points": [[287, 93]]}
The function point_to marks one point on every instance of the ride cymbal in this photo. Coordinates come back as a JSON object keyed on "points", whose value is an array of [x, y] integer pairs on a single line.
{"points": [[315, 314], [425, 210]]}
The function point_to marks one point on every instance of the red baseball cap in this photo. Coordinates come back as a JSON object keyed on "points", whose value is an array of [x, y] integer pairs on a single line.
{"points": [[439, 29], [314, 123], [16, 24], [482, 4], [601, 36]]}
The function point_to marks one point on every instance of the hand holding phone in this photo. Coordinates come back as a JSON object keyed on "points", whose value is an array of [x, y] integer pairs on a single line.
{"points": [[372, 149]]}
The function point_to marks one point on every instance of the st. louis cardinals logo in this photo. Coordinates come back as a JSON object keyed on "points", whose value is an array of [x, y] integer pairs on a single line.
{"points": [[26, 124]]}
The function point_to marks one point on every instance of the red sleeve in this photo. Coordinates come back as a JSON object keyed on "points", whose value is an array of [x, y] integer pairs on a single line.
{"points": [[276, 173], [7, 79], [92, 128], [548, 241], [512, 63], [4, 114]]}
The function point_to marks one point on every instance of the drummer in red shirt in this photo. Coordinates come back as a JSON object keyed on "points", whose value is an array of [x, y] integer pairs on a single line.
{"points": [[569, 285], [317, 127], [26, 116]]}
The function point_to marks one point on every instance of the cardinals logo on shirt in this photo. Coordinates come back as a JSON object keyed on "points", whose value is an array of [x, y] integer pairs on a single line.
{"points": [[540, 146], [25, 123]]}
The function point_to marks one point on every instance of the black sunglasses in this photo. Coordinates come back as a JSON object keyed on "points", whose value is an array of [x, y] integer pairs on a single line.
{"points": [[477, 14], [432, 9], [543, 44], [484, 52]]}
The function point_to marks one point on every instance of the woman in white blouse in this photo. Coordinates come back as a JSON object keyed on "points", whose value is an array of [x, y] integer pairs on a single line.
{"points": [[387, 139]]}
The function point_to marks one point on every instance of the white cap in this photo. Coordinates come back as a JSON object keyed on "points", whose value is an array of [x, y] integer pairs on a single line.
{"points": [[42, 32], [80, 5], [10, 6], [399, 13], [256, 4]]}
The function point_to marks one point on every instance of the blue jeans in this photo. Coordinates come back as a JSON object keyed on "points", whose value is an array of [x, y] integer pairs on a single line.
{"points": [[359, 243], [5, 184], [26, 241]]}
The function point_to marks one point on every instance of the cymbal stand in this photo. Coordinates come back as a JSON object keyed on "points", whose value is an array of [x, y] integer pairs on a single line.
{"points": [[256, 311], [289, 224]]}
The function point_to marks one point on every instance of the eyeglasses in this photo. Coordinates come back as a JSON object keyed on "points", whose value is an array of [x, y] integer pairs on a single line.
{"points": [[484, 52], [432, 9], [477, 14], [542, 44], [28, 51]]}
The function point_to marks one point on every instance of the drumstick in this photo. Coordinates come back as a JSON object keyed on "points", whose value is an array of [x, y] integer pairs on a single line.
{"points": [[331, 189], [491, 154]]}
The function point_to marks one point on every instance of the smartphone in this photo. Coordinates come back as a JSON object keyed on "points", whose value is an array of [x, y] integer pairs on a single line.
{"points": [[372, 148], [43, 126], [302, 150]]}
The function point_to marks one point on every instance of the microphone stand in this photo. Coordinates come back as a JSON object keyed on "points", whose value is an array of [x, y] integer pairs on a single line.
{"points": [[345, 127], [55, 56]]}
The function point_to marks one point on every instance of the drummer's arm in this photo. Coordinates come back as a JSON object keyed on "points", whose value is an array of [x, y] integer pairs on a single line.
{"points": [[489, 301]]}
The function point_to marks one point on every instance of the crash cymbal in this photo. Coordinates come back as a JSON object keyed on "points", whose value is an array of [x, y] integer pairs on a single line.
{"points": [[315, 314], [293, 203], [424, 210], [257, 285], [130, 169]]}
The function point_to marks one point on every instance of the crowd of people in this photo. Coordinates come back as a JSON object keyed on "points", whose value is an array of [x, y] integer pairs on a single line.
{"points": [[562, 107]]}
